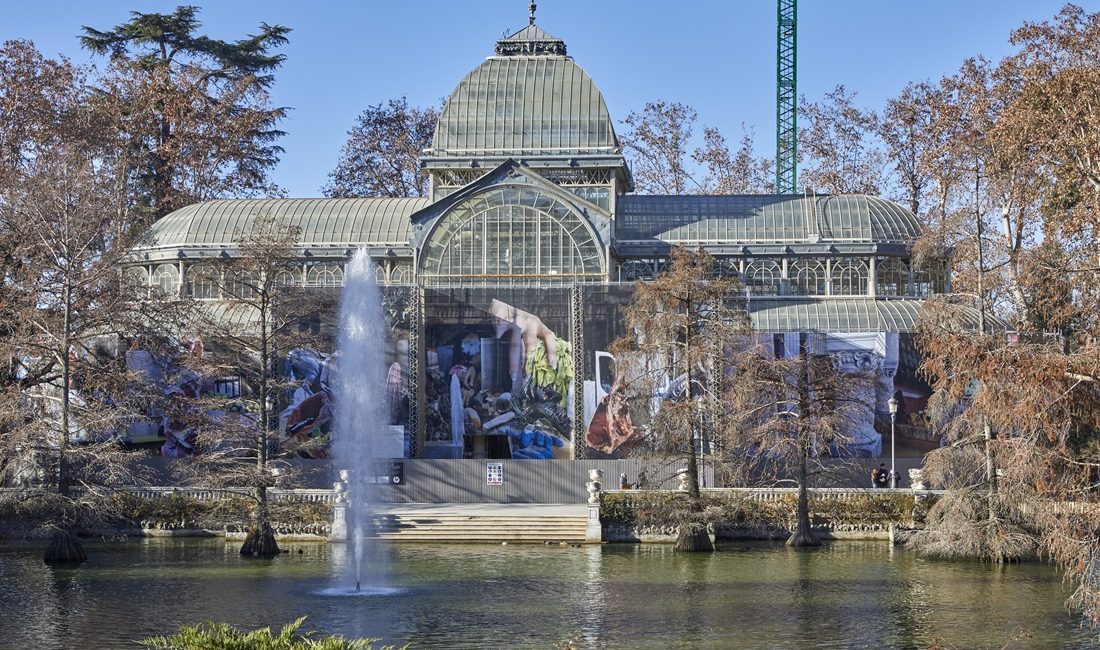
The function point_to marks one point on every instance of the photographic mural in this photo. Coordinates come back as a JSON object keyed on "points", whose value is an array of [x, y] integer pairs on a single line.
{"points": [[306, 405], [498, 374]]}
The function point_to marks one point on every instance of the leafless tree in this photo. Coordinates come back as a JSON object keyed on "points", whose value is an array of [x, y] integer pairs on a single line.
{"points": [[733, 172], [793, 416], [260, 315], [382, 154], [839, 149]]}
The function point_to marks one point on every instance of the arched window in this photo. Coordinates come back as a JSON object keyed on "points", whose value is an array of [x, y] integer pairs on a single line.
{"points": [[512, 233], [807, 278], [763, 277], [402, 273], [203, 282], [166, 278], [325, 274], [241, 284], [288, 278], [849, 277], [892, 277]]}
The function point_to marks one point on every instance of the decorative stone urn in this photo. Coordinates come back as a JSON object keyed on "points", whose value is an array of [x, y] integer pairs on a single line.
{"points": [[594, 486], [685, 480]]}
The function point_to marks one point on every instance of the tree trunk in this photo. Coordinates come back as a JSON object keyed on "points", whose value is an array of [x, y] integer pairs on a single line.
{"points": [[692, 536], [803, 534], [260, 540], [64, 479], [64, 548]]}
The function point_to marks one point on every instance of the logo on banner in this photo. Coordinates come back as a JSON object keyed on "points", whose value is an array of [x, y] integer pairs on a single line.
{"points": [[494, 473]]}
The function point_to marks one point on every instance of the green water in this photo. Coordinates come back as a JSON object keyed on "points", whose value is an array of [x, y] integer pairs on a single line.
{"points": [[847, 595]]}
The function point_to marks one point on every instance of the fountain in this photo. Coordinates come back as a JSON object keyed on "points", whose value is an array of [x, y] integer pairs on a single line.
{"points": [[360, 414]]}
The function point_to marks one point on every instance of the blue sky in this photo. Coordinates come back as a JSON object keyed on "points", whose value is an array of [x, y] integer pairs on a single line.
{"points": [[718, 57]]}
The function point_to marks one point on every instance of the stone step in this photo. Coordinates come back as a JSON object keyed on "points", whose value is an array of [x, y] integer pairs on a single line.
{"points": [[481, 528]]}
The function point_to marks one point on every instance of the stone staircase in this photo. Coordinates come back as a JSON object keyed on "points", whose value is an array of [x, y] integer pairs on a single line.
{"points": [[482, 523]]}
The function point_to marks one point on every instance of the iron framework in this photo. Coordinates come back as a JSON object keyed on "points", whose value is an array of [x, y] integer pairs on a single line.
{"points": [[786, 97]]}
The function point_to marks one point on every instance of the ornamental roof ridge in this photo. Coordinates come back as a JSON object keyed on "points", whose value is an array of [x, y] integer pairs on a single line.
{"points": [[531, 41]]}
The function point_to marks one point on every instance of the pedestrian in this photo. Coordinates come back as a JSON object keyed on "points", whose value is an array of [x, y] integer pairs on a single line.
{"points": [[623, 483], [880, 477]]}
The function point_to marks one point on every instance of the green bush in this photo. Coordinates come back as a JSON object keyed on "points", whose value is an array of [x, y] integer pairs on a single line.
{"points": [[219, 636]]}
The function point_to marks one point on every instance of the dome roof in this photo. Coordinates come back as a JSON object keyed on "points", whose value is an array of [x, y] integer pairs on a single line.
{"points": [[323, 222], [780, 219], [528, 100]]}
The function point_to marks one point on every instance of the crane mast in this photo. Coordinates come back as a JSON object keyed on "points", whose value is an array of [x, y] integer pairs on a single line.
{"points": [[786, 98]]}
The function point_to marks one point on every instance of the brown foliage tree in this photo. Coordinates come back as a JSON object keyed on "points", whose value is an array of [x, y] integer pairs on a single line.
{"points": [[190, 112], [786, 415], [69, 307], [677, 325]]}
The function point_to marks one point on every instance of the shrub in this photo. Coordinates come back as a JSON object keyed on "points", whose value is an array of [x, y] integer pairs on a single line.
{"points": [[219, 636]]}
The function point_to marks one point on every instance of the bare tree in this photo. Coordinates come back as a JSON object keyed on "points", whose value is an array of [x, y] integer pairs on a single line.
{"points": [[793, 415], [259, 317], [733, 172], [382, 154], [676, 327], [838, 146], [657, 142]]}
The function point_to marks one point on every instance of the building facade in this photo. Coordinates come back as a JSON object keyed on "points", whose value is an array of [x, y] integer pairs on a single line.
{"points": [[510, 273]]}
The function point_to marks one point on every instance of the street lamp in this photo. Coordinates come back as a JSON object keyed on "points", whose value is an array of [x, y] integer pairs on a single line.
{"points": [[892, 403]]}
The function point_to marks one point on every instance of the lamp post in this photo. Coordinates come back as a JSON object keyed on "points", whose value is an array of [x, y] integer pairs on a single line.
{"points": [[892, 403]]}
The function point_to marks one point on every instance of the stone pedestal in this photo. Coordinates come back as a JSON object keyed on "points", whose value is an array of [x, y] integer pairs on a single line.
{"points": [[339, 531], [593, 533]]}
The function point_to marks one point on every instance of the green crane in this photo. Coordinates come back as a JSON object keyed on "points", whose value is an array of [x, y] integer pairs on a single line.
{"points": [[786, 98]]}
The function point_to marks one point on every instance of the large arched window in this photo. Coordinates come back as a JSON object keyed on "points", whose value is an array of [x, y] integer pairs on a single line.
{"points": [[512, 234], [166, 278], [849, 278], [807, 278], [325, 274], [763, 277], [892, 277], [203, 281]]}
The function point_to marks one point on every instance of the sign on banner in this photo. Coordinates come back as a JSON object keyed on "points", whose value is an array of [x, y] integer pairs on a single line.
{"points": [[494, 473]]}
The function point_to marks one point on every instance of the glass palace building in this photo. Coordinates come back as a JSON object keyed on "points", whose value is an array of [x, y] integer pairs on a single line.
{"points": [[504, 284]]}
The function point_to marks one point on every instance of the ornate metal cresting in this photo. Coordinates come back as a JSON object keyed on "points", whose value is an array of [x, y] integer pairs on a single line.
{"points": [[579, 371]]}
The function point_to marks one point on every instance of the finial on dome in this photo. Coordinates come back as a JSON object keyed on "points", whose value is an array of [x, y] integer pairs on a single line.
{"points": [[533, 7]]}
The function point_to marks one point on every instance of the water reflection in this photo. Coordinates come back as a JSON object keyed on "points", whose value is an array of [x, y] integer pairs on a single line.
{"points": [[747, 596]]}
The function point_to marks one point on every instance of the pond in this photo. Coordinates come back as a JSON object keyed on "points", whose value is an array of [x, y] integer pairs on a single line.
{"points": [[848, 594]]}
